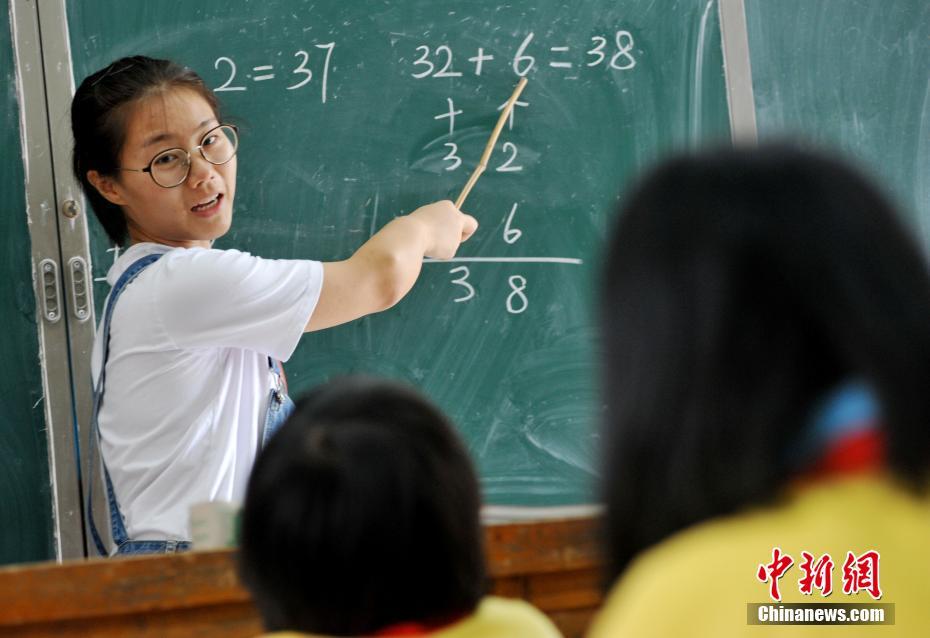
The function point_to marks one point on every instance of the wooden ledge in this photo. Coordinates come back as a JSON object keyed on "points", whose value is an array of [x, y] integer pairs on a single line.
{"points": [[553, 564]]}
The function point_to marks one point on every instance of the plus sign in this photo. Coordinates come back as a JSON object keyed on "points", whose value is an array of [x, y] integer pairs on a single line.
{"points": [[510, 115], [451, 113], [479, 60]]}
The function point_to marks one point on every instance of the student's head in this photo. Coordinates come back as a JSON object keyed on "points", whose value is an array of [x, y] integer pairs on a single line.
{"points": [[362, 512], [740, 286], [124, 118]]}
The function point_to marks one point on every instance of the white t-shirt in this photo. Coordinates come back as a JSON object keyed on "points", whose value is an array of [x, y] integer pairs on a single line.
{"points": [[187, 378]]}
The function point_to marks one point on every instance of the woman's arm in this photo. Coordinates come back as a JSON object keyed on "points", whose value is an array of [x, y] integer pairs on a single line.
{"points": [[385, 268]]}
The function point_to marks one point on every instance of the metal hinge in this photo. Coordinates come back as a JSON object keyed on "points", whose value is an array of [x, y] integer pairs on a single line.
{"points": [[77, 266], [51, 292]]}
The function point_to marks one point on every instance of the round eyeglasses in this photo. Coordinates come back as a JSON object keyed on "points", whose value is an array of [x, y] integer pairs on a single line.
{"points": [[171, 167]]}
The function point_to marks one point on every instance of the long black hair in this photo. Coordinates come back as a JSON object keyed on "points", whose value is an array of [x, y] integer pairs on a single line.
{"points": [[362, 512], [740, 285], [99, 118]]}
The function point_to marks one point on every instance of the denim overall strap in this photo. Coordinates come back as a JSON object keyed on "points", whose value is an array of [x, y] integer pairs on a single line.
{"points": [[116, 519], [280, 405]]}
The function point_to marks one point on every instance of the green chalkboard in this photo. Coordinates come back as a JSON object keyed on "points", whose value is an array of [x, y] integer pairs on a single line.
{"points": [[852, 75], [344, 108], [25, 488]]}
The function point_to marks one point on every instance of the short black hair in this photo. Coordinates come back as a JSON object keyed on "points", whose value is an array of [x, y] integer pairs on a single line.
{"points": [[99, 114], [740, 286], [362, 512]]}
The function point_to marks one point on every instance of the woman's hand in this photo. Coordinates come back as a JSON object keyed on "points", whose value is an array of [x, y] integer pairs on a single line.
{"points": [[446, 226], [385, 268]]}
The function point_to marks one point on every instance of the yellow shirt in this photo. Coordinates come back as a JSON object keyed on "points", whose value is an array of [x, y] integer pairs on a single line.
{"points": [[494, 618], [698, 582]]}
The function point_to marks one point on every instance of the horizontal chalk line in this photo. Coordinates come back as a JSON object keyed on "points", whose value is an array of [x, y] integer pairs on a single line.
{"points": [[508, 260]]}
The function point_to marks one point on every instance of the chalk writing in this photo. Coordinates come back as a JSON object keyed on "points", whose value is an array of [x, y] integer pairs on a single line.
{"points": [[511, 235], [616, 54], [516, 300], [265, 72], [508, 166], [463, 281]]}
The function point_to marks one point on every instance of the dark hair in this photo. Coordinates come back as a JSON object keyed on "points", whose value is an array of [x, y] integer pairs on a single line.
{"points": [[362, 512], [99, 113], [740, 286]]}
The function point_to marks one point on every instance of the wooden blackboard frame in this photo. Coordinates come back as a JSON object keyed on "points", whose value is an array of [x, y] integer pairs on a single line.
{"points": [[555, 565]]}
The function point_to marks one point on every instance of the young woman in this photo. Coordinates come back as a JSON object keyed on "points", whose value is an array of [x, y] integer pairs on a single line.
{"points": [[767, 358], [185, 362], [361, 519]]}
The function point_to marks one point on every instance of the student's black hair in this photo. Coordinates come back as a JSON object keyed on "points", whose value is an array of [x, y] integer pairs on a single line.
{"points": [[739, 287], [99, 117], [362, 512]]}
